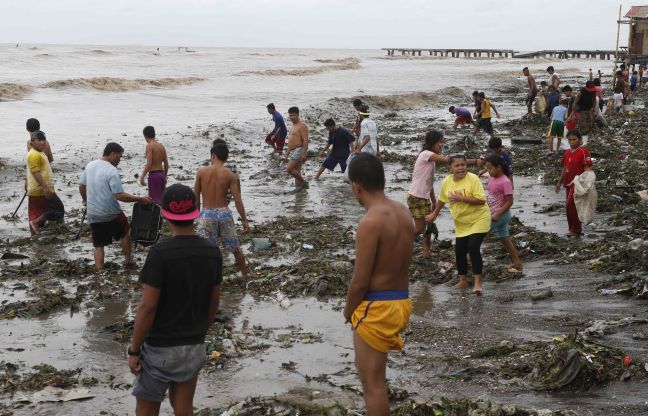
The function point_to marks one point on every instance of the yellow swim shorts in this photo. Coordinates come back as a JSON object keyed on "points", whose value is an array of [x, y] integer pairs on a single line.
{"points": [[381, 317]]}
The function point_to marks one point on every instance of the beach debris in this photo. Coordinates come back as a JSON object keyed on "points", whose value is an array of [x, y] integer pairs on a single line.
{"points": [[55, 394], [13, 256], [260, 243], [544, 294], [461, 406], [39, 377], [600, 327]]}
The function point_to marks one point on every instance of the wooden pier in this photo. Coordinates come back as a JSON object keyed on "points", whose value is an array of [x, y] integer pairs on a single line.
{"points": [[569, 53], [505, 53], [454, 53]]}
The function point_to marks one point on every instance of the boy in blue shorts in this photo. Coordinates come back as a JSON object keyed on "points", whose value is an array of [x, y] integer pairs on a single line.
{"points": [[341, 139]]}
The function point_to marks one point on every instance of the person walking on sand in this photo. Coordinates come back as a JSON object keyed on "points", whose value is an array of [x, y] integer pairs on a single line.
{"points": [[463, 116], [471, 216], [420, 196], [556, 127], [181, 281], [42, 204], [157, 166], [583, 114], [340, 138], [101, 190], [377, 303], [216, 222], [297, 150], [357, 105], [485, 116], [576, 160], [277, 137], [368, 139], [533, 90], [33, 125], [500, 200]]}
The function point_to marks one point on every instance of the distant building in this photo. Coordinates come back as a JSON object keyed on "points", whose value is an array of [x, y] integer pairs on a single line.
{"points": [[637, 18]]}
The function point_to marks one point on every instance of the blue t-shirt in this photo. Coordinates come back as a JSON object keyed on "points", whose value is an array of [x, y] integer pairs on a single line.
{"points": [[340, 139], [280, 131], [558, 113], [553, 99], [102, 183], [462, 112], [633, 80]]}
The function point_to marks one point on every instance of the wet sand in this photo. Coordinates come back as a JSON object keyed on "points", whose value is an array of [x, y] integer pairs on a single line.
{"points": [[270, 349]]}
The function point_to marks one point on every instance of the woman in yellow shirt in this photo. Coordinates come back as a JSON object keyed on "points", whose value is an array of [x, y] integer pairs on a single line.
{"points": [[471, 216]]}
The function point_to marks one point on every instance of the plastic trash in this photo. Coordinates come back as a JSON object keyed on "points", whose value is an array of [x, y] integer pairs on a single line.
{"points": [[308, 246], [260, 243]]}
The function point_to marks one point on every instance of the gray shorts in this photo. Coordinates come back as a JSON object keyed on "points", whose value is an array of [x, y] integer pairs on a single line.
{"points": [[296, 154], [162, 366]]}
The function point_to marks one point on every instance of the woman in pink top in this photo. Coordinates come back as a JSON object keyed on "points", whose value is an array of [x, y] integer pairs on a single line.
{"points": [[599, 92], [420, 197], [500, 200]]}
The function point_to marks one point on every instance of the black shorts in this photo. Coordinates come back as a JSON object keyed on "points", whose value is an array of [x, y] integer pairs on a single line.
{"points": [[103, 233], [486, 125], [531, 98], [55, 210]]}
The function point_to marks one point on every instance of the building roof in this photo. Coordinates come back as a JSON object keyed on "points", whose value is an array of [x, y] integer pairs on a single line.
{"points": [[638, 12]]}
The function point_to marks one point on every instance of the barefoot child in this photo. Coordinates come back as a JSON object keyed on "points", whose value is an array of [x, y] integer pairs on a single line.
{"points": [[420, 196], [377, 303], [556, 127], [471, 216], [157, 166], [500, 200], [43, 204]]}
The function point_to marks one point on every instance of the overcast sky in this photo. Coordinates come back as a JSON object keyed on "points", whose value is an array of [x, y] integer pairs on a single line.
{"points": [[516, 24]]}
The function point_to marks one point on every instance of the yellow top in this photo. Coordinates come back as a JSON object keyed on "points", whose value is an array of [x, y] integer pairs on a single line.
{"points": [[37, 162], [468, 218], [486, 109]]}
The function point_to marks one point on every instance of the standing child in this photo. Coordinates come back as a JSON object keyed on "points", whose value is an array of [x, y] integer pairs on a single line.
{"points": [[553, 99], [465, 193], [577, 159], [497, 149], [541, 102], [557, 127], [157, 166], [618, 100], [485, 115], [633, 81], [477, 113], [500, 200]]}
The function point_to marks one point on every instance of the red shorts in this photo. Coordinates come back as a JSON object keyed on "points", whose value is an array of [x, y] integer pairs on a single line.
{"points": [[571, 125], [36, 206], [276, 142]]}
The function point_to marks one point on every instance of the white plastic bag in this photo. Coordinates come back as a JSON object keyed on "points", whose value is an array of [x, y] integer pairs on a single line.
{"points": [[585, 196]]}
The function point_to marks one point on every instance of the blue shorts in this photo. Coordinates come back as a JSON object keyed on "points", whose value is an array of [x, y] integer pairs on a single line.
{"points": [[501, 227], [330, 163]]}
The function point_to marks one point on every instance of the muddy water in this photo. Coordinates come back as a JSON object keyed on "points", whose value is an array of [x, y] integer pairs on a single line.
{"points": [[78, 340]]}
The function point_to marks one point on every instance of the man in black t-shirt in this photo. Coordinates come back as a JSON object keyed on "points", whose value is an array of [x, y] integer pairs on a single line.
{"points": [[180, 292], [340, 138]]}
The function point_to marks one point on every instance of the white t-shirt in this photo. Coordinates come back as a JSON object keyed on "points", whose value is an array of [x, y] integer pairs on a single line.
{"points": [[368, 128], [618, 99]]}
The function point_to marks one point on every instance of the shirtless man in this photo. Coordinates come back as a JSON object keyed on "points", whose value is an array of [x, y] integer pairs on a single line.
{"points": [[554, 79], [215, 221], [297, 150], [377, 304], [156, 156], [533, 90], [33, 125]]}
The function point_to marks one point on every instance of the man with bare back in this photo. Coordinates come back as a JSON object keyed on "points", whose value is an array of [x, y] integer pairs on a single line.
{"points": [[377, 304], [297, 150], [156, 157], [215, 221]]}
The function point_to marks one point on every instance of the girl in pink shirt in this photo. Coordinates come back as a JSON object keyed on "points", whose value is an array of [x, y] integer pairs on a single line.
{"points": [[500, 200]]}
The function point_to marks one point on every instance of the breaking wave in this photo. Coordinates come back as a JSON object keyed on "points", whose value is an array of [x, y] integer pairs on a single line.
{"points": [[14, 91], [410, 101], [120, 84], [331, 65]]}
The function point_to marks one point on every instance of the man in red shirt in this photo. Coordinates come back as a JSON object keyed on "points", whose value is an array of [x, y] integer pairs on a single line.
{"points": [[576, 160]]}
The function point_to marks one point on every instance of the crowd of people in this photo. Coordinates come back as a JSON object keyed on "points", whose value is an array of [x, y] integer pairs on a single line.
{"points": [[182, 276]]}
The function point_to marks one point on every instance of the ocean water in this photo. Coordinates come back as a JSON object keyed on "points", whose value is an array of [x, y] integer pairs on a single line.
{"points": [[82, 92]]}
